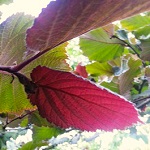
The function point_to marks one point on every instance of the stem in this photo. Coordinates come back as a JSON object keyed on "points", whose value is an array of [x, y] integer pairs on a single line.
{"points": [[25, 63], [143, 103], [140, 99], [20, 117], [29, 86], [7, 68], [12, 69], [114, 36], [142, 85]]}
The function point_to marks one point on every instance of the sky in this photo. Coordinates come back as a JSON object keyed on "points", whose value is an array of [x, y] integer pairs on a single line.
{"points": [[32, 7]]}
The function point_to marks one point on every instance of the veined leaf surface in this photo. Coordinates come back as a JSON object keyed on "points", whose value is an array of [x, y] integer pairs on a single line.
{"points": [[13, 98], [12, 48], [12, 38], [63, 20], [97, 45], [70, 101]]}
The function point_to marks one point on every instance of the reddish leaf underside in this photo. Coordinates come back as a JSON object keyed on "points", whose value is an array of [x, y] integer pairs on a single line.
{"points": [[63, 20], [70, 101], [81, 71]]}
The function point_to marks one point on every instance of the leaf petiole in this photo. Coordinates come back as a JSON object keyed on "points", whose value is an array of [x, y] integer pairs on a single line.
{"points": [[30, 87], [19, 117]]}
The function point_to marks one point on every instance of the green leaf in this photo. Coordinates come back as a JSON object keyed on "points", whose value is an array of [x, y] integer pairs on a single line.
{"points": [[123, 83], [135, 22], [24, 122], [5, 2], [98, 46], [147, 71], [120, 65], [55, 59], [98, 69], [44, 133], [12, 38], [12, 95], [143, 35], [32, 145], [145, 92], [111, 85], [37, 120], [126, 79], [39, 135], [145, 46]]}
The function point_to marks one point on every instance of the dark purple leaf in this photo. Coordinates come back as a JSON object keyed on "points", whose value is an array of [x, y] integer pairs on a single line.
{"points": [[70, 101], [63, 20]]}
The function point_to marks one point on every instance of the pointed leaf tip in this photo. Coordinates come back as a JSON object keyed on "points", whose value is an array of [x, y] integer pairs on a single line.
{"points": [[70, 101]]}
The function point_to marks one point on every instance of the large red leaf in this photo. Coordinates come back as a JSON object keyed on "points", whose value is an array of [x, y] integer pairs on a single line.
{"points": [[63, 20], [70, 101]]}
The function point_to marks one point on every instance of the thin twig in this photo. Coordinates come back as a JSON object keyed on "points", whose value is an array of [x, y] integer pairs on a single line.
{"points": [[28, 61], [142, 85], [127, 44], [143, 103], [114, 36], [140, 99], [20, 117]]}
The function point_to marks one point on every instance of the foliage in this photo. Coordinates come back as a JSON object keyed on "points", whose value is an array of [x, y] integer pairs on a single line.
{"points": [[34, 74], [66, 102], [5, 2]]}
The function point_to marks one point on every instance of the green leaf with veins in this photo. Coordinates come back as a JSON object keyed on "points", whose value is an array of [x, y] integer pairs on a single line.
{"points": [[143, 35], [12, 95], [12, 48], [123, 83], [54, 59], [126, 79], [12, 38], [135, 22], [98, 69], [97, 45], [120, 65], [145, 46], [45, 133], [111, 85], [37, 120]]}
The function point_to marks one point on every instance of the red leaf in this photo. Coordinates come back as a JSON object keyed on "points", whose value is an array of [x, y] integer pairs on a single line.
{"points": [[81, 70], [70, 101], [63, 20]]}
